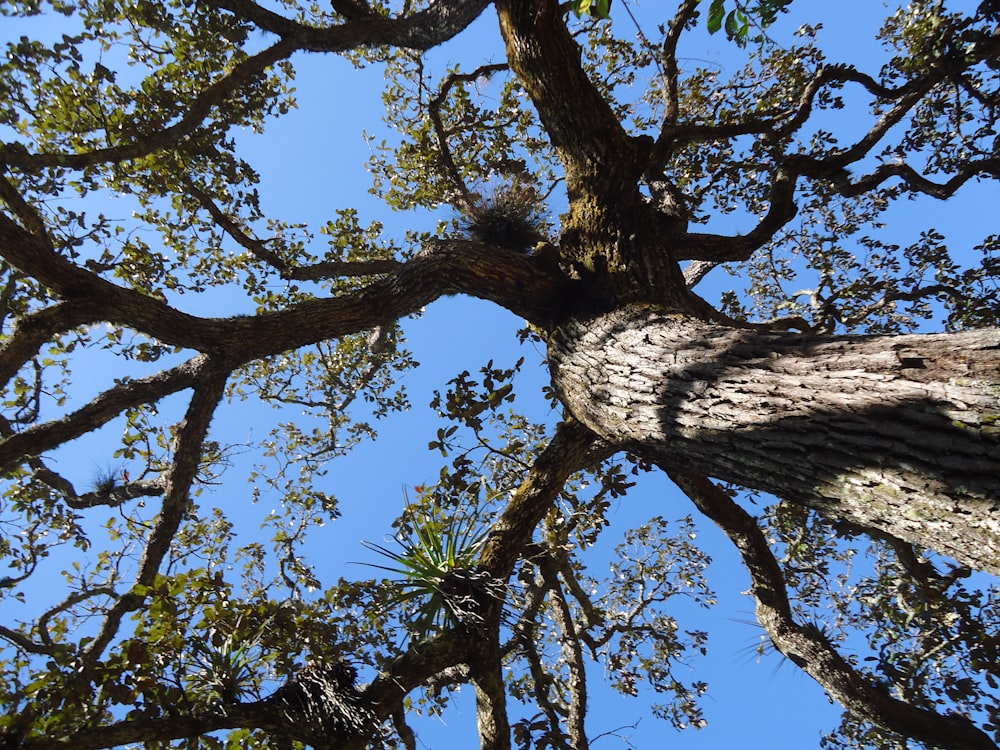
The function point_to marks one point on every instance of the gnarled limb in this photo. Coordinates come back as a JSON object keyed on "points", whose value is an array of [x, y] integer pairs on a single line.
{"points": [[807, 646], [917, 183], [191, 434], [437, 23]]}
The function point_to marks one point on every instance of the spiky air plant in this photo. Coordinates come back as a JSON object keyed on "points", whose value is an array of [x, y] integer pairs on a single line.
{"points": [[225, 663], [509, 216], [436, 564], [323, 702], [106, 480]]}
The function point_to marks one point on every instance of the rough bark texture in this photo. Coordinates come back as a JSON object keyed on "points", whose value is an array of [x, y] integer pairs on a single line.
{"points": [[900, 435]]}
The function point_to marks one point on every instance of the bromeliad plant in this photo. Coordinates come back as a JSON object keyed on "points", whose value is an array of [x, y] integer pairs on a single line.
{"points": [[225, 663], [437, 564]]}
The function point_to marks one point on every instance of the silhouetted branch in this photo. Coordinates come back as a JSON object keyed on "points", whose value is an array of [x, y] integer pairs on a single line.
{"points": [[465, 201], [437, 23], [103, 408], [191, 434]]}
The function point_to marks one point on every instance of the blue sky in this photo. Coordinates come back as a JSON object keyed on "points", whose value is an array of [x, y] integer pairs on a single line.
{"points": [[313, 162]]}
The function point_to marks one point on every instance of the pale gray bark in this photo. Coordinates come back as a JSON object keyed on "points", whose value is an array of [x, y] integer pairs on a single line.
{"points": [[897, 435]]}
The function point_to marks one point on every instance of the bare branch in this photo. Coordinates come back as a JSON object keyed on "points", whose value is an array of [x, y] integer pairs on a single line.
{"points": [[719, 248], [668, 58], [26, 644], [403, 729], [110, 497], [26, 213], [595, 149], [70, 601], [541, 682], [905, 97], [918, 183], [696, 271], [427, 28], [573, 653], [844, 74], [44, 437], [257, 248], [491, 699]]}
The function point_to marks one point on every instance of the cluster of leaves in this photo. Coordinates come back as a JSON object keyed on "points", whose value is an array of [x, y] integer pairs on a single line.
{"points": [[737, 22]]}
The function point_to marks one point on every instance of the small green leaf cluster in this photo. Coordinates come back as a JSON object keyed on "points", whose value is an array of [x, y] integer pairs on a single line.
{"points": [[738, 21], [595, 8]]}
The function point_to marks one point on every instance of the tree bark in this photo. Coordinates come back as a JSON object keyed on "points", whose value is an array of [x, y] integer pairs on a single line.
{"points": [[895, 435]]}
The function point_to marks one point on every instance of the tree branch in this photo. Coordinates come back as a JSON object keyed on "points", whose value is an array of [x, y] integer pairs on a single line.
{"points": [[720, 249], [668, 57], [527, 285], [572, 653], [806, 645], [34, 329], [44, 437], [905, 98], [572, 447], [213, 96], [427, 28], [465, 201], [918, 183], [191, 434], [599, 157], [259, 249], [491, 698]]}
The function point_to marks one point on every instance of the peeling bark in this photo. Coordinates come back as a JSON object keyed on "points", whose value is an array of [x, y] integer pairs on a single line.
{"points": [[896, 435]]}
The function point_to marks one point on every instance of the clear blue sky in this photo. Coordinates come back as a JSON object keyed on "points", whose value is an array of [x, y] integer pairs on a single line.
{"points": [[312, 162]]}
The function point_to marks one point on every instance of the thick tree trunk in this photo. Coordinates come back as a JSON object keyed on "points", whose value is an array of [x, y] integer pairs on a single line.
{"points": [[897, 435]]}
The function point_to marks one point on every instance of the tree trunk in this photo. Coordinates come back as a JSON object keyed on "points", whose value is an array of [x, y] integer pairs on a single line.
{"points": [[898, 435]]}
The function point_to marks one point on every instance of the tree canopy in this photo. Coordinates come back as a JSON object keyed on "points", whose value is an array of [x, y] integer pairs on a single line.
{"points": [[715, 282]]}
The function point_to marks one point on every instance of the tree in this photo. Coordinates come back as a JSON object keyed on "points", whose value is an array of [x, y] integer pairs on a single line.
{"points": [[874, 436]]}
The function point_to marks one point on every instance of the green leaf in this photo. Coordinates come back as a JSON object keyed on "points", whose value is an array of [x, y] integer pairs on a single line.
{"points": [[737, 27], [716, 12], [594, 8]]}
